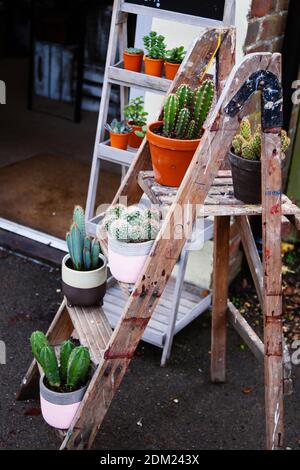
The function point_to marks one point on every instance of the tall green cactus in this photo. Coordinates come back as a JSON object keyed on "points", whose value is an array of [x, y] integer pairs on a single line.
{"points": [[83, 250], [78, 366], [49, 364], [186, 110], [37, 341], [65, 352]]}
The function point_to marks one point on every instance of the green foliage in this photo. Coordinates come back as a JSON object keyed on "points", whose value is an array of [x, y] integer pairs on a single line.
{"points": [[175, 55], [118, 127], [74, 362], [133, 50], [247, 144], [84, 251], [48, 361], [134, 112], [186, 110], [78, 366], [155, 45], [134, 224], [142, 132]]}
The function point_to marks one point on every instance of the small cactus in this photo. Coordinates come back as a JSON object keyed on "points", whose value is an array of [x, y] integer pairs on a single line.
{"points": [[248, 144], [65, 351], [83, 250], [37, 341], [49, 363], [186, 111], [78, 366]]}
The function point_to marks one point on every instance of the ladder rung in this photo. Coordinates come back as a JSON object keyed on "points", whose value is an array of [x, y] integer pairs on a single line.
{"points": [[119, 76], [114, 155]]}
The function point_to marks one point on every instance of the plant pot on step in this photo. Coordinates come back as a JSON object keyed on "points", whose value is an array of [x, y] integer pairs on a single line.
{"points": [[134, 140], [85, 288], [246, 178], [126, 260], [170, 157], [59, 409], [119, 141], [154, 66], [133, 61], [171, 70]]}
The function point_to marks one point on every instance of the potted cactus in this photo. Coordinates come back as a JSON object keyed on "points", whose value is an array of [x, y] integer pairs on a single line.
{"points": [[245, 161], [131, 233], [133, 59], [84, 269], [136, 117], [156, 49], [173, 59], [62, 384], [119, 133], [174, 140]]}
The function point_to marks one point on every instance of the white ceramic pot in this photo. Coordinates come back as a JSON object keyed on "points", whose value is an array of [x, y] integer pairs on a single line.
{"points": [[59, 409], [84, 288], [126, 260]]}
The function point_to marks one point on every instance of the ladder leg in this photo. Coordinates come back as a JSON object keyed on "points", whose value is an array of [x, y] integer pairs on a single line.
{"points": [[175, 306], [220, 295], [60, 329]]}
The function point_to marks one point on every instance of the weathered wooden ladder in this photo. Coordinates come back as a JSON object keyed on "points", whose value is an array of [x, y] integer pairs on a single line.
{"points": [[207, 191]]}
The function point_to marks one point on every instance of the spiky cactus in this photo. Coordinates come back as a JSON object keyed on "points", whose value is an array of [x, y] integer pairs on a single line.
{"points": [[186, 110], [247, 144], [83, 250], [78, 366], [135, 225], [48, 361], [70, 371]]}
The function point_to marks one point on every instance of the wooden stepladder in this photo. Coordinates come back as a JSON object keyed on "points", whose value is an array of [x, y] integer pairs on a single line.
{"points": [[208, 191]]}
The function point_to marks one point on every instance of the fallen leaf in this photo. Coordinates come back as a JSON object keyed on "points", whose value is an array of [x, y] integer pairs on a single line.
{"points": [[33, 412], [247, 390]]}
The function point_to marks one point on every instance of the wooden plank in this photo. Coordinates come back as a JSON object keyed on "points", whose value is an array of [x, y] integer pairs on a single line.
{"points": [[60, 329], [120, 76], [220, 295], [114, 155], [249, 336]]}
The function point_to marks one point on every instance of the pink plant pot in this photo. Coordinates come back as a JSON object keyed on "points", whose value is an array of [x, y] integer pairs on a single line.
{"points": [[59, 409], [126, 260]]}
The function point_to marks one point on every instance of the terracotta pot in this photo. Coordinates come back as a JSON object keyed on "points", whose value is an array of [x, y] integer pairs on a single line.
{"points": [[246, 178], [154, 66], [133, 62], [126, 260], [170, 157], [134, 140], [119, 141], [171, 70], [59, 409], [84, 288]]}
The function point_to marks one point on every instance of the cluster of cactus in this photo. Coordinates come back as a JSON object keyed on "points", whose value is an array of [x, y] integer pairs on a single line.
{"points": [[84, 251], [247, 144], [186, 110], [133, 224], [71, 372]]}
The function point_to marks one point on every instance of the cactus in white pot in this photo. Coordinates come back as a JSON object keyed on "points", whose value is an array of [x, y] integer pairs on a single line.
{"points": [[131, 233]]}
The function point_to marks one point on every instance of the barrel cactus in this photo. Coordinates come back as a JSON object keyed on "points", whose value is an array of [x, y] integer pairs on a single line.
{"points": [[70, 372], [134, 225], [84, 251], [247, 143], [186, 111]]}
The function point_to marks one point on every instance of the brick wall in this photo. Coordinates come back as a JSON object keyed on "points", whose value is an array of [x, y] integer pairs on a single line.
{"points": [[266, 25]]}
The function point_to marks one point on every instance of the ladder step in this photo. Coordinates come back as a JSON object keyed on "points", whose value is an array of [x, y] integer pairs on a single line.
{"points": [[93, 329], [119, 76], [220, 200], [114, 155]]}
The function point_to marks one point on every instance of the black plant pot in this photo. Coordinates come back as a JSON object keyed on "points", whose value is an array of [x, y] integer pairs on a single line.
{"points": [[246, 178]]}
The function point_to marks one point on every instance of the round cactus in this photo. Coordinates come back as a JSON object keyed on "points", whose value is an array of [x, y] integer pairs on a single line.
{"points": [[119, 230], [133, 215], [152, 214], [115, 211], [149, 230]]}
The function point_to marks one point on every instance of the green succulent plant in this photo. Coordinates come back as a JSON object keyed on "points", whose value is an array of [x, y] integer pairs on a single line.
{"points": [[133, 50], [186, 110], [84, 251], [155, 45], [72, 372], [134, 112], [118, 127], [134, 224], [247, 143], [175, 55]]}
